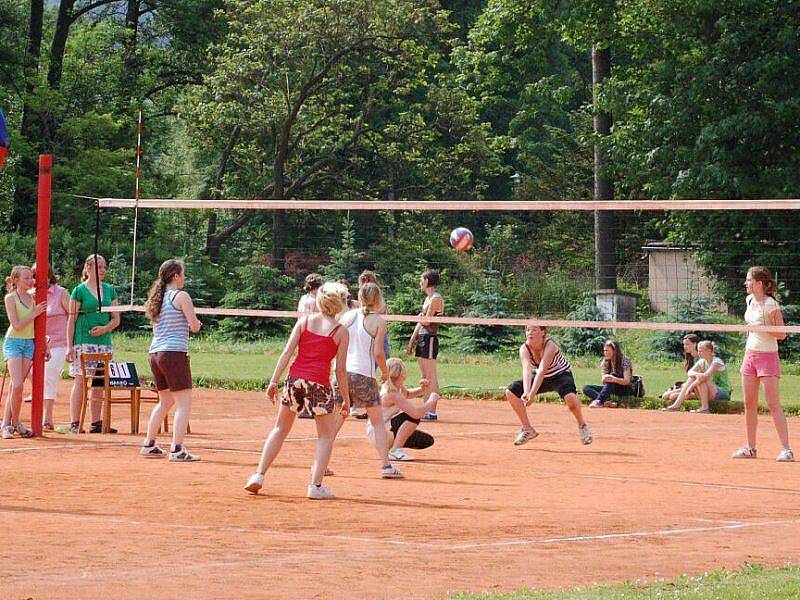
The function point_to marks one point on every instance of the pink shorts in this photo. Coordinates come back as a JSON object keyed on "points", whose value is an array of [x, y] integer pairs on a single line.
{"points": [[761, 364]]}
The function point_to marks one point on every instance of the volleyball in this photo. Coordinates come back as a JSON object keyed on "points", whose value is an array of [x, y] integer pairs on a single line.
{"points": [[461, 238]]}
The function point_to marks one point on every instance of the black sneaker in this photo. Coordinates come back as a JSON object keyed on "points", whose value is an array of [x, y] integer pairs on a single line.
{"points": [[304, 414], [97, 427]]}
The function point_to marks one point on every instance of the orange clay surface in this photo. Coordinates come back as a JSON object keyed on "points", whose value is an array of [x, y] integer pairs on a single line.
{"points": [[656, 495]]}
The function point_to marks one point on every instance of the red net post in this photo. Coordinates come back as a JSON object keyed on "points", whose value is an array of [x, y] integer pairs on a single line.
{"points": [[42, 283]]}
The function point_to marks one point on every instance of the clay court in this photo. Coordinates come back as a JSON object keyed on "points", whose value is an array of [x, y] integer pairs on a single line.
{"points": [[655, 496]]}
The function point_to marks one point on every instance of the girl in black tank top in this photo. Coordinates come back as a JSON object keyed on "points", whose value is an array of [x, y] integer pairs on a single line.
{"points": [[424, 342]]}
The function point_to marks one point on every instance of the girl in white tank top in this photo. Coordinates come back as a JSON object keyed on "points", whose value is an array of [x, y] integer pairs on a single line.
{"points": [[366, 329]]}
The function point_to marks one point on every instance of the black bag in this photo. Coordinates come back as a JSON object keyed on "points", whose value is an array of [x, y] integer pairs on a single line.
{"points": [[637, 386]]}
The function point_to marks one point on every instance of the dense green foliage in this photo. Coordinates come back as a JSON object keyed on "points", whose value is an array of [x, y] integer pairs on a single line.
{"points": [[408, 99]]}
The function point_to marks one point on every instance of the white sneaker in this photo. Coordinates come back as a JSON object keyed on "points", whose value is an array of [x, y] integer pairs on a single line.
{"points": [[8, 432], [786, 455], [255, 483], [586, 435], [745, 452], [390, 472], [23, 430], [596, 404], [319, 492], [182, 455], [399, 454], [154, 451], [525, 435]]}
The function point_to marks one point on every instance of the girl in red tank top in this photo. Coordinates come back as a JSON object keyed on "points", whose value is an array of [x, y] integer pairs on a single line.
{"points": [[319, 340]]}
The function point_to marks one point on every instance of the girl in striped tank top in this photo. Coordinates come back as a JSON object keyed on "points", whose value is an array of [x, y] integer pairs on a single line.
{"points": [[171, 312], [544, 369]]}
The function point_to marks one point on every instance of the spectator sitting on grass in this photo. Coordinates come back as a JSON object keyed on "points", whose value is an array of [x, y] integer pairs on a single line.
{"points": [[690, 355], [616, 371], [708, 378]]}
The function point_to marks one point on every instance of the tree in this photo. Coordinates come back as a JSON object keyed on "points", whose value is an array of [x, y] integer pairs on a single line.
{"points": [[333, 98], [706, 109], [345, 258]]}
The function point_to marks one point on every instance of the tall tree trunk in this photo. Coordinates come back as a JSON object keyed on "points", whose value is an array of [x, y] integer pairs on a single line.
{"points": [[23, 208], [278, 258], [59, 45], [129, 45], [214, 238], [605, 244], [32, 54]]}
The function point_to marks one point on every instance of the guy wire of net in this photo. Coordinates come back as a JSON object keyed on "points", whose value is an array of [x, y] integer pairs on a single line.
{"points": [[532, 262]]}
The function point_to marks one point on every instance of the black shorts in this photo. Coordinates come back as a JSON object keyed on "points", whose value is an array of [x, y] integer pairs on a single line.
{"points": [[427, 346], [418, 440], [563, 385]]}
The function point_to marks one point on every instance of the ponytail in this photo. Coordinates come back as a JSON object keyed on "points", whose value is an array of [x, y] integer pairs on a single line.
{"points": [[168, 270], [763, 275], [370, 297]]}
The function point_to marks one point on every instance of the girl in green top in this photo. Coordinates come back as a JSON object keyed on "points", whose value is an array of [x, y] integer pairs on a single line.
{"points": [[18, 345], [89, 330], [708, 378]]}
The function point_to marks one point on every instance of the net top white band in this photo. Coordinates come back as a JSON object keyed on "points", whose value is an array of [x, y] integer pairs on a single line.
{"points": [[651, 325], [449, 205]]}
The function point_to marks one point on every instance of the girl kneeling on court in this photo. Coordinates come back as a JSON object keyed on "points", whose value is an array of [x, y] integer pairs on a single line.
{"points": [[18, 345], [171, 312], [366, 331], [761, 365], [318, 339], [544, 369], [708, 379], [401, 415], [616, 371]]}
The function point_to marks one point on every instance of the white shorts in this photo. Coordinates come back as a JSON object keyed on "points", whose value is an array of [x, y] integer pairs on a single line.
{"points": [[52, 372]]}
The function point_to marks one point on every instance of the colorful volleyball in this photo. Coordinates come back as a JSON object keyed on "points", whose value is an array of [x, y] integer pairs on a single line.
{"points": [[461, 238]]}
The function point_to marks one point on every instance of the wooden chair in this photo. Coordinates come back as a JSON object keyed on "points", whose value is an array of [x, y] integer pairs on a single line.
{"points": [[134, 395], [148, 394], [94, 365]]}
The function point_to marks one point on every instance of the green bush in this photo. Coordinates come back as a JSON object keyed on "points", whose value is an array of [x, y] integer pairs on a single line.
{"points": [[406, 301], [790, 347], [669, 344], [345, 258], [258, 287], [579, 341], [488, 303]]}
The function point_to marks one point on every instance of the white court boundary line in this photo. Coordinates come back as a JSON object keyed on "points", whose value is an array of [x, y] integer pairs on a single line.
{"points": [[293, 557], [431, 545], [628, 479]]}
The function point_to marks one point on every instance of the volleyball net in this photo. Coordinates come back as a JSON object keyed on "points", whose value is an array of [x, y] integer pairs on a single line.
{"points": [[533, 262]]}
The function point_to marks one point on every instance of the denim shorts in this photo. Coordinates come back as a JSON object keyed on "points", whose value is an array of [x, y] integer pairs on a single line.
{"points": [[17, 348]]}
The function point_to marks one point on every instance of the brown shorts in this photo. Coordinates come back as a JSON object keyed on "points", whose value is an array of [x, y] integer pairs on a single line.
{"points": [[299, 394], [171, 371], [364, 391]]}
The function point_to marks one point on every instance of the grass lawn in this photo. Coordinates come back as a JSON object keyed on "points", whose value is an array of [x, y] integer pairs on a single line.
{"points": [[752, 583], [248, 366]]}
